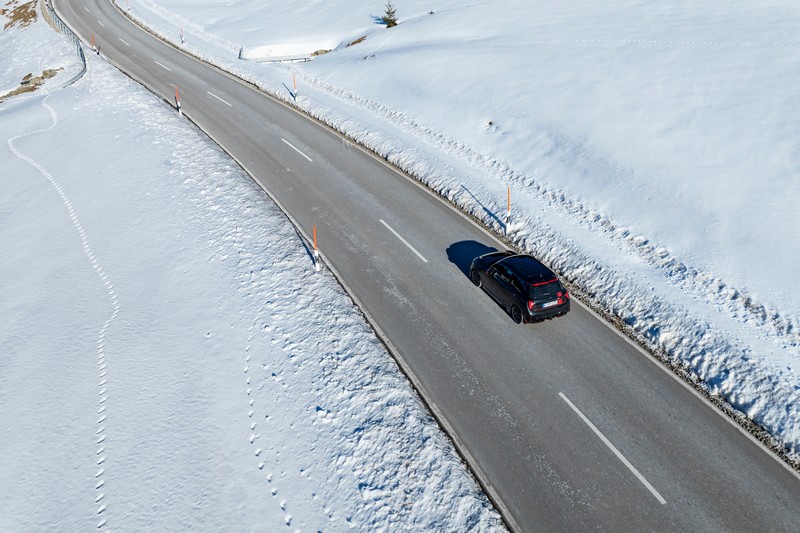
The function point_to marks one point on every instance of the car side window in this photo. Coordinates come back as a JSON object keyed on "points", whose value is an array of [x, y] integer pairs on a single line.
{"points": [[502, 272], [516, 282]]}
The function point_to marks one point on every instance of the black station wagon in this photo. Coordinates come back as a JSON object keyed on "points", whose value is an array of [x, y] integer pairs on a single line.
{"points": [[524, 287]]}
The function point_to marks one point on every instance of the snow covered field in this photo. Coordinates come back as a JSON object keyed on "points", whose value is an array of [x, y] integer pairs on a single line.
{"points": [[651, 149], [169, 358]]}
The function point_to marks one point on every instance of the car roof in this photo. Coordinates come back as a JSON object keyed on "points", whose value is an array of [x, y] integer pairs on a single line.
{"points": [[529, 268]]}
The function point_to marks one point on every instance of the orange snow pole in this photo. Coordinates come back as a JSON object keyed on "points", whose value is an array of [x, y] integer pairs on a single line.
{"points": [[93, 41], [315, 236], [177, 101], [508, 212]]}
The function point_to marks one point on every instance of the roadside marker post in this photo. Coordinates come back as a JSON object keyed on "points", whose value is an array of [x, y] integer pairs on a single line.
{"points": [[317, 265], [182, 40], [508, 211], [294, 82], [178, 101]]}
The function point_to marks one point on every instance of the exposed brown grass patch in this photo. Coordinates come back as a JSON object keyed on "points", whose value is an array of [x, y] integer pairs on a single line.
{"points": [[30, 83], [20, 14], [359, 40]]}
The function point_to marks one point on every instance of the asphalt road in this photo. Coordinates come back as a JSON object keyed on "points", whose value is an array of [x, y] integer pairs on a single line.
{"points": [[568, 425]]}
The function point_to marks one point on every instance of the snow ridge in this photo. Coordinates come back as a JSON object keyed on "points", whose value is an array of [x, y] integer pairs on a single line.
{"points": [[100, 434]]}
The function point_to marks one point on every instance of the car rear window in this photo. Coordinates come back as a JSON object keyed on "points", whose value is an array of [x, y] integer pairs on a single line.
{"points": [[545, 291]]}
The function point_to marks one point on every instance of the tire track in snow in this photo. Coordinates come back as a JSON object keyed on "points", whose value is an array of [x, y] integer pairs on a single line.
{"points": [[100, 434]]}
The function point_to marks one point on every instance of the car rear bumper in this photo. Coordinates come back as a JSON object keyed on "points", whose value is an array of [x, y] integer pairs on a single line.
{"points": [[541, 314]]}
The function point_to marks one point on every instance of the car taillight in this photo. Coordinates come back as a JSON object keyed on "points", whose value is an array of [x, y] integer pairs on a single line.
{"points": [[530, 305], [562, 297]]}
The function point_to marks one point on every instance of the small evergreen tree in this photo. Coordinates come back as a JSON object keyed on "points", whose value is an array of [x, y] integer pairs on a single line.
{"points": [[390, 17]]}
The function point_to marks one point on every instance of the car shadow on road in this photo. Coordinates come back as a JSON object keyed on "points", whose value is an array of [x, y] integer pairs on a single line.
{"points": [[462, 253]]}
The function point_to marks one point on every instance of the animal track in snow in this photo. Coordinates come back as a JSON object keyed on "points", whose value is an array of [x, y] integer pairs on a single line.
{"points": [[101, 434]]}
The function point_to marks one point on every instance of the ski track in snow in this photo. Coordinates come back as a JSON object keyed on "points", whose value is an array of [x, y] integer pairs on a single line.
{"points": [[101, 434]]}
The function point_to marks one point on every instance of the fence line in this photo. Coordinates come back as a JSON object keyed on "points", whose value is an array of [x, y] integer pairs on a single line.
{"points": [[70, 35]]}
